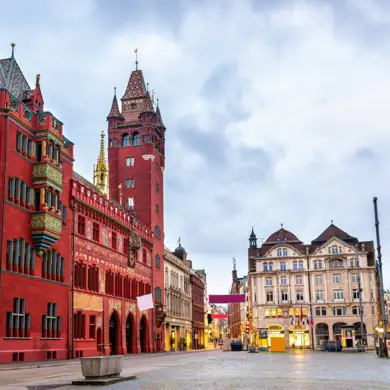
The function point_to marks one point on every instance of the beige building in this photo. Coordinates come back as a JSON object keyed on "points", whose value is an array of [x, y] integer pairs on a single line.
{"points": [[178, 322], [306, 293]]}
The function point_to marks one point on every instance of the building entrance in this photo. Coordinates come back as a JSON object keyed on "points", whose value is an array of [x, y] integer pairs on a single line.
{"points": [[113, 333]]}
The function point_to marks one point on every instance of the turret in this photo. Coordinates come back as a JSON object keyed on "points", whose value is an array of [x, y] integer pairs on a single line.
{"points": [[252, 240]]}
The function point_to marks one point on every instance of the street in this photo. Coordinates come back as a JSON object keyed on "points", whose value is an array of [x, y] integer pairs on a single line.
{"points": [[224, 370]]}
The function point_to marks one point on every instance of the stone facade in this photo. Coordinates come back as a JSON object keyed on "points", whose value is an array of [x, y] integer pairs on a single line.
{"points": [[178, 301], [295, 286]]}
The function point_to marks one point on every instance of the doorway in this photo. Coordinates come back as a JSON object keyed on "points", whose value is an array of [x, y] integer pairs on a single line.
{"points": [[143, 333], [129, 333], [113, 333]]}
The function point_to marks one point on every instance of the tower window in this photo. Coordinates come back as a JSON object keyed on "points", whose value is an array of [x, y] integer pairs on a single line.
{"points": [[157, 187], [157, 209], [129, 161], [129, 183], [133, 106], [136, 138], [125, 140]]}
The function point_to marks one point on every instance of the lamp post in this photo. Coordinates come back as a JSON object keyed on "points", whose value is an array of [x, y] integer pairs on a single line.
{"points": [[360, 295], [382, 351]]}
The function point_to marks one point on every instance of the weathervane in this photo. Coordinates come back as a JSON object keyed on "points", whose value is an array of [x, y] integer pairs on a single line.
{"points": [[136, 59], [178, 241], [234, 264]]}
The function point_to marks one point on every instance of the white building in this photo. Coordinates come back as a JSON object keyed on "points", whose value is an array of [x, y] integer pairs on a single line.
{"points": [[290, 280], [178, 322]]}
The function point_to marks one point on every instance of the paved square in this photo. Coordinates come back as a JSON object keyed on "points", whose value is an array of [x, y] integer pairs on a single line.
{"points": [[226, 370]]}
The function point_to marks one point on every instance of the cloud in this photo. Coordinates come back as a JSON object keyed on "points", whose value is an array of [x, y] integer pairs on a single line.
{"points": [[276, 112]]}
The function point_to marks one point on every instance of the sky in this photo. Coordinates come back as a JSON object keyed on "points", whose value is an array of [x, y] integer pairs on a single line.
{"points": [[276, 111]]}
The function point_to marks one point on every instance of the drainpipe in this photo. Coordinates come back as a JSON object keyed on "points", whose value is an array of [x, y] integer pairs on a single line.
{"points": [[4, 191], [72, 280]]}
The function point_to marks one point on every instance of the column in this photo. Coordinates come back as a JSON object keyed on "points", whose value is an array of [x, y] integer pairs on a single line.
{"points": [[44, 148]]}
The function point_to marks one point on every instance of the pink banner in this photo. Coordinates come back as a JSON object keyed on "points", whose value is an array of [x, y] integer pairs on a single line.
{"points": [[233, 298]]}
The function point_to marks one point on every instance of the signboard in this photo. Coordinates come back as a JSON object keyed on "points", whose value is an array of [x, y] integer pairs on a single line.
{"points": [[219, 315], [231, 298]]}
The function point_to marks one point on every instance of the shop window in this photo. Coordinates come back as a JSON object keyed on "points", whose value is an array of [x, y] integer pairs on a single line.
{"points": [[279, 312], [267, 312], [18, 323], [291, 312], [51, 323]]}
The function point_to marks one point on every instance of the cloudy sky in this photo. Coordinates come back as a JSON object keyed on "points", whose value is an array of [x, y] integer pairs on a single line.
{"points": [[276, 111]]}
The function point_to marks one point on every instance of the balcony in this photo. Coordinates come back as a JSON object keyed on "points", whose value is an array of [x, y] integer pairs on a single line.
{"points": [[48, 174], [45, 230]]}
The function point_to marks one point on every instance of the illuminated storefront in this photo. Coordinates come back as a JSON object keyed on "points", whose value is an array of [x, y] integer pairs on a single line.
{"points": [[273, 330], [299, 336]]}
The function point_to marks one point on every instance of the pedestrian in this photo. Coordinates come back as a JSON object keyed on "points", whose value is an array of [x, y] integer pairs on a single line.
{"points": [[293, 345]]}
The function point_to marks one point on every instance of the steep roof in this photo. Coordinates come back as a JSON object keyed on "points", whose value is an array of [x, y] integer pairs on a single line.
{"points": [[12, 78], [159, 118], [136, 86], [114, 112], [136, 98], [333, 231]]}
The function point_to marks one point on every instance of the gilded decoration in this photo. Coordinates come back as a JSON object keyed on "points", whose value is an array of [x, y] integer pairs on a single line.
{"points": [[83, 301], [49, 134], [46, 170], [46, 221]]}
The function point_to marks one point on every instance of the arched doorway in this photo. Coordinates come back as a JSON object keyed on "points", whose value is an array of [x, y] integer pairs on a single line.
{"points": [[337, 329], [130, 333], [322, 333], [99, 340], [143, 334], [113, 333]]}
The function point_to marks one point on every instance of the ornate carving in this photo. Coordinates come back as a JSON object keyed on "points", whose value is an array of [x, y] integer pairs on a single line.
{"points": [[53, 176], [46, 221], [160, 315], [27, 114], [41, 119], [14, 103]]}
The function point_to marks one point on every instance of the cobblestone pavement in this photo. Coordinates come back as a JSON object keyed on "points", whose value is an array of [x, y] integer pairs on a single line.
{"points": [[228, 370]]}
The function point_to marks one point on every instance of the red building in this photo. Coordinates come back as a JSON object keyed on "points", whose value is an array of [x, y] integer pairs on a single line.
{"points": [[36, 170], [73, 260]]}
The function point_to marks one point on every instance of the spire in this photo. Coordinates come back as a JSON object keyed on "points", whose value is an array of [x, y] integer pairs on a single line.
{"points": [[100, 173], [252, 240], [159, 118], [13, 49], [114, 112], [234, 264]]}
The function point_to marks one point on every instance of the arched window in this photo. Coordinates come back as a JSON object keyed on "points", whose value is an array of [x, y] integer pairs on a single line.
{"points": [[318, 311], [125, 140], [158, 261], [336, 263], [285, 252], [323, 310], [157, 232], [279, 252], [136, 138]]}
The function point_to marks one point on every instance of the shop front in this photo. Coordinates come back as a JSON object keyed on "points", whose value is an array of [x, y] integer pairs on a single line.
{"points": [[188, 339], [273, 331], [299, 337]]}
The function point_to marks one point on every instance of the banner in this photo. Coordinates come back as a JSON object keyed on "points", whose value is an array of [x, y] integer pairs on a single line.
{"points": [[145, 302], [231, 298], [219, 315]]}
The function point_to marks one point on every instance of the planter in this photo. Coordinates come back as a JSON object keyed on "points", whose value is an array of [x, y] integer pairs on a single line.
{"points": [[252, 349], [101, 366]]}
